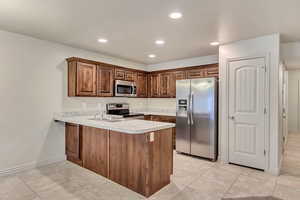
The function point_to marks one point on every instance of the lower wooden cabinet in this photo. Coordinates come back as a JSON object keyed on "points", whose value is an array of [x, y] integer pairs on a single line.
{"points": [[94, 149], [163, 118], [73, 138], [135, 161]]}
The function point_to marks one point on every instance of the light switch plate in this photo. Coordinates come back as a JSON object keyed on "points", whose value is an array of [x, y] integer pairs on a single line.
{"points": [[152, 137]]}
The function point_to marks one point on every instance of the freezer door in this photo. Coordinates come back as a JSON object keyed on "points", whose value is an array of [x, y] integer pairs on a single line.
{"points": [[203, 117], [182, 116]]}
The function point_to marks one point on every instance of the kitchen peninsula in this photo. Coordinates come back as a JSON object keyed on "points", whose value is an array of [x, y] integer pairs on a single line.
{"points": [[137, 154]]}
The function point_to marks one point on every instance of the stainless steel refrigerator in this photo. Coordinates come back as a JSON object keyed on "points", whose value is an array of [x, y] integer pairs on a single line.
{"points": [[196, 117]]}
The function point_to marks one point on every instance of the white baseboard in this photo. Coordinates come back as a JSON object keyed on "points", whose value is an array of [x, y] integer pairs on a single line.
{"points": [[31, 165], [273, 171]]}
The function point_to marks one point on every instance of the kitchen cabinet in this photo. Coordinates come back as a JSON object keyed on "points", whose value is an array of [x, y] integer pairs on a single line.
{"points": [[141, 84], [163, 118], [119, 74], [195, 73], [130, 76], [73, 138], [89, 79], [154, 85], [167, 85], [95, 155], [212, 72], [141, 162], [180, 75], [105, 81], [86, 79], [124, 74]]}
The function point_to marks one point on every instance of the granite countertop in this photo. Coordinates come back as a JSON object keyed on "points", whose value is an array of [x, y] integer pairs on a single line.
{"points": [[173, 114], [129, 126]]}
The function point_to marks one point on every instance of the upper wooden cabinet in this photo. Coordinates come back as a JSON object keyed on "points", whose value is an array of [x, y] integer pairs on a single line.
{"points": [[167, 84], [119, 74], [180, 75], [91, 78], [195, 73], [212, 72], [86, 79], [130, 76], [124, 74], [105, 81], [141, 84], [154, 85]]}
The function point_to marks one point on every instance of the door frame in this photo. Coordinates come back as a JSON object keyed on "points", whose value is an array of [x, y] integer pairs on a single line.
{"points": [[223, 117]]}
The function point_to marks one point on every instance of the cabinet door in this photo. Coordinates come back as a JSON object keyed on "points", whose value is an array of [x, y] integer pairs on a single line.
{"points": [[154, 85], [141, 85], [164, 84], [95, 155], [172, 88], [180, 75], [130, 76], [86, 79], [105, 81], [212, 72], [73, 143], [119, 74], [167, 85], [195, 73]]}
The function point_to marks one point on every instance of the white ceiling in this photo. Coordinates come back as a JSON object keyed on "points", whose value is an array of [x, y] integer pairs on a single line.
{"points": [[132, 26]]}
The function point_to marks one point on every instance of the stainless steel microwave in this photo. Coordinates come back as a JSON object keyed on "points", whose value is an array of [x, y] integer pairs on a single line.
{"points": [[125, 89]]}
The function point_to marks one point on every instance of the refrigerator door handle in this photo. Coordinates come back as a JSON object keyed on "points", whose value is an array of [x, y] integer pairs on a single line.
{"points": [[191, 108], [188, 111]]}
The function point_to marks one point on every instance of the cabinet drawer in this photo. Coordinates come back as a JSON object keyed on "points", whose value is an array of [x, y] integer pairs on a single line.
{"points": [[212, 72], [197, 73]]}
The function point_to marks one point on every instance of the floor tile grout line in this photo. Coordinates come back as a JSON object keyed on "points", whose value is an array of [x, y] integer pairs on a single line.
{"points": [[231, 185], [31, 189]]}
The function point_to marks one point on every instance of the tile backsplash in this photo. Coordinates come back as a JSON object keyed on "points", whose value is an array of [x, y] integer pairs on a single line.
{"points": [[71, 104], [167, 105]]}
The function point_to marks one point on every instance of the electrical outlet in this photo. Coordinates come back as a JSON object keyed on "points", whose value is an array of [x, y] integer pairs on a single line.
{"points": [[151, 139]]}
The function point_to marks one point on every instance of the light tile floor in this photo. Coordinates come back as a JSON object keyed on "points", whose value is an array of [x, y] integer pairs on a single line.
{"points": [[193, 179]]}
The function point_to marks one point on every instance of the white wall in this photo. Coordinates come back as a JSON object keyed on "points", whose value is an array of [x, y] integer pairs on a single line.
{"points": [[33, 85], [294, 101], [204, 60], [290, 54], [266, 45]]}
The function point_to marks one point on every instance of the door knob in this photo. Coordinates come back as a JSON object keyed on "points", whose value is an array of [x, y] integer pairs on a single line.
{"points": [[232, 117]]}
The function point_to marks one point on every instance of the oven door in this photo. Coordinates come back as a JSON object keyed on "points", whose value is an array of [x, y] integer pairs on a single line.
{"points": [[124, 89]]}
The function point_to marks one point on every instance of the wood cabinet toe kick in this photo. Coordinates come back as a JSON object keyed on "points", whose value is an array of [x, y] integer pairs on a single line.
{"points": [[140, 162]]}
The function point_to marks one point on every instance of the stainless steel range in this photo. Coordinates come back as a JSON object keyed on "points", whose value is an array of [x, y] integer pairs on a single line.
{"points": [[123, 110]]}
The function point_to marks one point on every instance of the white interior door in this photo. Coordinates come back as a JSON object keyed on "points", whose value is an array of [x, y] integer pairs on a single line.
{"points": [[247, 112]]}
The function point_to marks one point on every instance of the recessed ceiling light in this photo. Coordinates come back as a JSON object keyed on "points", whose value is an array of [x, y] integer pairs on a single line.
{"points": [[159, 42], [214, 43], [175, 15], [102, 40], [151, 55]]}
